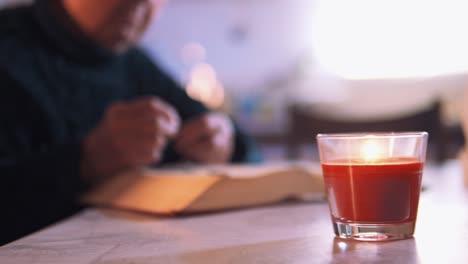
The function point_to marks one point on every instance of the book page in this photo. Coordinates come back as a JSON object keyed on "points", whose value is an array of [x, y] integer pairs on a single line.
{"points": [[195, 188], [163, 194], [235, 170]]}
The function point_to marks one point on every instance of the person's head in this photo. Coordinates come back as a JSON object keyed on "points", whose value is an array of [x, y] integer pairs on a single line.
{"points": [[113, 24]]}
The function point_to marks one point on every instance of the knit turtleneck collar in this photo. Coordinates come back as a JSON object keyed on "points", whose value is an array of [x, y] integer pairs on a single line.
{"points": [[65, 34]]}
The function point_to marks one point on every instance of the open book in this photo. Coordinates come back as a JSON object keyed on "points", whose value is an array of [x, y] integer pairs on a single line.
{"points": [[193, 189]]}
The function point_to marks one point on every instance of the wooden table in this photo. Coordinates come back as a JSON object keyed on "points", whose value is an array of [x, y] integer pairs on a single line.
{"points": [[287, 233]]}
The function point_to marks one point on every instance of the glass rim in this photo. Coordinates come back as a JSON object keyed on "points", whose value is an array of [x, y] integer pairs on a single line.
{"points": [[364, 135]]}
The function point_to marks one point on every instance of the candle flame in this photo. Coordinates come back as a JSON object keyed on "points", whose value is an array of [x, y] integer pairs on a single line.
{"points": [[370, 151]]}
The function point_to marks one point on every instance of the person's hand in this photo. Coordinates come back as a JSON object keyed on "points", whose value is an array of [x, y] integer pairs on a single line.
{"points": [[206, 139], [131, 134]]}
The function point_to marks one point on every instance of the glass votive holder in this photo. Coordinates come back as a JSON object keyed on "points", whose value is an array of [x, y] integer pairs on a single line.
{"points": [[373, 182]]}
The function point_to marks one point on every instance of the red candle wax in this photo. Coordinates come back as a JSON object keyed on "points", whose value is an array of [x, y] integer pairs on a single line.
{"points": [[384, 191]]}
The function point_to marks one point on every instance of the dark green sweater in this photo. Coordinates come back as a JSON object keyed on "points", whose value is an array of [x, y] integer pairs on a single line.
{"points": [[55, 85]]}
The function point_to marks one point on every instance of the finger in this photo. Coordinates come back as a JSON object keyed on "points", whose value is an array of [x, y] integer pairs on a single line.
{"points": [[168, 112], [143, 150], [152, 108], [215, 149], [145, 123], [197, 152], [202, 155], [148, 141], [159, 127], [150, 105], [200, 136], [196, 130]]}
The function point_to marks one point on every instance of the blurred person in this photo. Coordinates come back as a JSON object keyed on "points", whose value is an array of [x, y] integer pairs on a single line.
{"points": [[79, 103]]}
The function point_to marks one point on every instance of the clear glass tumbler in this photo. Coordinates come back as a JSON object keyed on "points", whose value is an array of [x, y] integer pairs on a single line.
{"points": [[373, 182]]}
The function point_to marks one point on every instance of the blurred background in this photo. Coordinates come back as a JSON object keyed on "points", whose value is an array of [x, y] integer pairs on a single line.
{"points": [[289, 69]]}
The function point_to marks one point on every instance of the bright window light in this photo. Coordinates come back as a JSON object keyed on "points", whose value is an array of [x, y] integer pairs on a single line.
{"points": [[368, 39]]}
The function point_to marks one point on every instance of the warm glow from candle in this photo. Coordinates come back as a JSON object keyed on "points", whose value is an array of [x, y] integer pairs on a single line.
{"points": [[371, 151]]}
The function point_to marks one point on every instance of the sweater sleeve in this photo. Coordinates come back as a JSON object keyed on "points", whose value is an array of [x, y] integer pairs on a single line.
{"points": [[153, 80], [39, 179]]}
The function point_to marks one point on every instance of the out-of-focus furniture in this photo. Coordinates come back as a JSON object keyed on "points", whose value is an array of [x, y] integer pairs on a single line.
{"points": [[305, 124]]}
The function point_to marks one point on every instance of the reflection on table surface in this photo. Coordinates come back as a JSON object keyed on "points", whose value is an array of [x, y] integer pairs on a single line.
{"points": [[284, 233]]}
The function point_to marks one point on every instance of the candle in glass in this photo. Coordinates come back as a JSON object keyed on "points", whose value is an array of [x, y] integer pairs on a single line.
{"points": [[373, 183]]}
